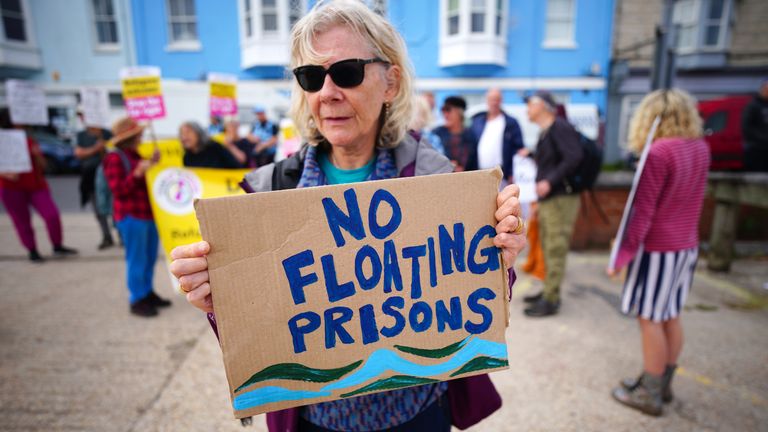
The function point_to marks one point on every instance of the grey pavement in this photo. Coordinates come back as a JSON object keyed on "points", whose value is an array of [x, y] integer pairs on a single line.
{"points": [[73, 359]]}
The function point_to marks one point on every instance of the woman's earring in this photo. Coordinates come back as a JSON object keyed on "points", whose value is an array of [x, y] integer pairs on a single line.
{"points": [[386, 109]]}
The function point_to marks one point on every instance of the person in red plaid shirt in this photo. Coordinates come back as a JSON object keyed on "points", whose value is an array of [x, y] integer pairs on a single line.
{"points": [[124, 170]]}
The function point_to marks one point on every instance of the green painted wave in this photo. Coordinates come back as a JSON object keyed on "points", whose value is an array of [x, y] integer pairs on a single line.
{"points": [[299, 372], [395, 382], [481, 363], [433, 353]]}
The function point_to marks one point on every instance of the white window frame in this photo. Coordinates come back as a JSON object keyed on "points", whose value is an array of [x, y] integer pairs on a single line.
{"points": [[467, 47], [698, 22], [266, 48], [181, 45], [282, 9], [100, 46], [272, 11], [28, 29], [566, 43]]}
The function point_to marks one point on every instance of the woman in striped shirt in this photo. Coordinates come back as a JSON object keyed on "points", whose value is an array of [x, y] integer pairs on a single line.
{"points": [[661, 241]]}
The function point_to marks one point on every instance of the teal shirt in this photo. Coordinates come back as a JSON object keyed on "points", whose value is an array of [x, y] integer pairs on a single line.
{"points": [[341, 176]]}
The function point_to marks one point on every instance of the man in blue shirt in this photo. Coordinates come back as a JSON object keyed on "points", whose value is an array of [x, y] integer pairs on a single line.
{"points": [[264, 137], [498, 135]]}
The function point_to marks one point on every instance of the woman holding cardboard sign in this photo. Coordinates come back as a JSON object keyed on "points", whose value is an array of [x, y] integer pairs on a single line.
{"points": [[352, 102]]}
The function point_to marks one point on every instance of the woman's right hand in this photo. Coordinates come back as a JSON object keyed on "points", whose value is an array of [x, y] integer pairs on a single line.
{"points": [[189, 265]]}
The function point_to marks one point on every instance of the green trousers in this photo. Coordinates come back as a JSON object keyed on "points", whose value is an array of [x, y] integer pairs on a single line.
{"points": [[556, 218]]}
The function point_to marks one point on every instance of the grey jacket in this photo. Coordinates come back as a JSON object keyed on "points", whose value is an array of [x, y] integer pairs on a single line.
{"points": [[421, 155]]}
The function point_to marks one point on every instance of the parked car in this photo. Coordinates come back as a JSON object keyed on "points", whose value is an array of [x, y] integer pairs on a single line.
{"points": [[59, 154], [722, 131]]}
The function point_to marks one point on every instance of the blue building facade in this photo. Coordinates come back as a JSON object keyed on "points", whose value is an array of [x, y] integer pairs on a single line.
{"points": [[459, 47]]}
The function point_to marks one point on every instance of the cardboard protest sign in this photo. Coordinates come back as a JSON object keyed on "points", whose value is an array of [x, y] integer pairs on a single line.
{"points": [[14, 154], [223, 99], [142, 95], [172, 191], [95, 105], [332, 292], [26, 103]]}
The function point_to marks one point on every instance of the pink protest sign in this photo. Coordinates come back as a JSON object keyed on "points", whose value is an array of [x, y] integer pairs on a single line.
{"points": [[223, 99], [141, 92]]}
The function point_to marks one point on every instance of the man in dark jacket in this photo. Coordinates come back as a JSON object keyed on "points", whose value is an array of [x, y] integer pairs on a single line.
{"points": [[499, 136], [754, 125], [558, 154]]}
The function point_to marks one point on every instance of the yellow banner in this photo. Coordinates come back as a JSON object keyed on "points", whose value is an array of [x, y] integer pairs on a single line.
{"points": [[141, 87], [172, 191], [171, 151], [223, 90]]}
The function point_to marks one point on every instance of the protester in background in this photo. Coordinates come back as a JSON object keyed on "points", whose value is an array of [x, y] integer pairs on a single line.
{"points": [[557, 156], [355, 119], [20, 191], [754, 126], [422, 118], [264, 137], [125, 170], [460, 144], [661, 242], [90, 149], [499, 136], [202, 152], [233, 140]]}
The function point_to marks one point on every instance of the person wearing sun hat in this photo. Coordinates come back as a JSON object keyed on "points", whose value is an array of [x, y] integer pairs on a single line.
{"points": [[124, 170]]}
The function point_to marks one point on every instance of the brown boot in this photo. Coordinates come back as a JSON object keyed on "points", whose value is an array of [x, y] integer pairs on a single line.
{"points": [[645, 397], [666, 383]]}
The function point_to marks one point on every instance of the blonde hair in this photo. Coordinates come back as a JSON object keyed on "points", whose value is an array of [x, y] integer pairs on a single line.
{"points": [[422, 113], [679, 118], [384, 42]]}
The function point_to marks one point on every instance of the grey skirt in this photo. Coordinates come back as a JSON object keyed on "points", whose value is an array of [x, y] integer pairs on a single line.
{"points": [[658, 283]]}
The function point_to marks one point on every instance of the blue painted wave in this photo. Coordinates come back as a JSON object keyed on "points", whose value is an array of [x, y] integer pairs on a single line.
{"points": [[271, 394], [383, 360]]}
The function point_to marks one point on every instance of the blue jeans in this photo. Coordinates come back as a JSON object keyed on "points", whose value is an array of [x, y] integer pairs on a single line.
{"points": [[141, 240]]}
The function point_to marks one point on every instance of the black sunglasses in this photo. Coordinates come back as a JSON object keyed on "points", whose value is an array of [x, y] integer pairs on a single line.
{"points": [[346, 74]]}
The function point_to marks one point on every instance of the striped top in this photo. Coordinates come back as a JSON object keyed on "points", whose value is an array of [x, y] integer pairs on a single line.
{"points": [[667, 207]]}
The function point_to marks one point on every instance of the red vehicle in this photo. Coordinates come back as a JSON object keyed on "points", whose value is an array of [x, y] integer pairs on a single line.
{"points": [[722, 131]]}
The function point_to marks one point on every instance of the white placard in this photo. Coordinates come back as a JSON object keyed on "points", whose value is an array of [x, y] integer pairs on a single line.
{"points": [[631, 199], [524, 169], [139, 71], [26, 101], [14, 154], [95, 105]]}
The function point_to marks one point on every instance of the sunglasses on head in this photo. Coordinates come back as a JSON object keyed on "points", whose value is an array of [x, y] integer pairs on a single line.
{"points": [[345, 74]]}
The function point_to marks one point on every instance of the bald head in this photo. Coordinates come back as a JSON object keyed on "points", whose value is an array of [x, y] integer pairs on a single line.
{"points": [[493, 99]]}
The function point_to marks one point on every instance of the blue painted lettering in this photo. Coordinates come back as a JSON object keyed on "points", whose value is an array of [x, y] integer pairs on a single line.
{"points": [[476, 307], [334, 326], [452, 248], [491, 253], [378, 231], [310, 322], [352, 222], [292, 267], [415, 252], [369, 252]]}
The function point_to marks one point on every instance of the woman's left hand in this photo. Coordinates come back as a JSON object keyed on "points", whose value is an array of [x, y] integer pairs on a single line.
{"points": [[510, 236]]}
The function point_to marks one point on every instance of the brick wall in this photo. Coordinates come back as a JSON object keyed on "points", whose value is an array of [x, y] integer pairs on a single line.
{"points": [[749, 38], [590, 232]]}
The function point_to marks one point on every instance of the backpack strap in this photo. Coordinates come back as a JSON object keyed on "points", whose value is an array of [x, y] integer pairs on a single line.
{"points": [[287, 172], [124, 158]]}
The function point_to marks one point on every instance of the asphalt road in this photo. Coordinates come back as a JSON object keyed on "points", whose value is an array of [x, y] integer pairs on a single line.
{"points": [[73, 358]]}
